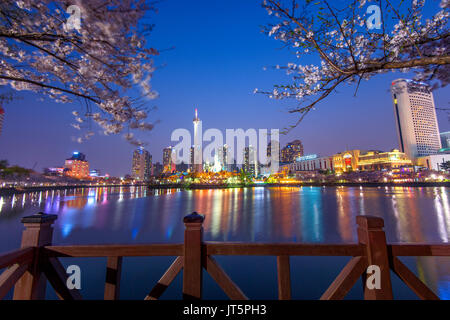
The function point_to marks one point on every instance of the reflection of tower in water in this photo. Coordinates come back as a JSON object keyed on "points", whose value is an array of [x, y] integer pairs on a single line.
{"points": [[407, 216], [284, 213], [345, 216]]}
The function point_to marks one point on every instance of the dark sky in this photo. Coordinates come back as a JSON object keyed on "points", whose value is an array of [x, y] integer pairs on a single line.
{"points": [[216, 64]]}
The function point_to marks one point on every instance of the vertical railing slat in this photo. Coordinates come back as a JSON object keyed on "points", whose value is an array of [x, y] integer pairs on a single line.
{"points": [[113, 274], [284, 278]]}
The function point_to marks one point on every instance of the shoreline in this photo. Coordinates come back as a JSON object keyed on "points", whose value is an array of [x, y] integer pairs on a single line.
{"points": [[11, 191]]}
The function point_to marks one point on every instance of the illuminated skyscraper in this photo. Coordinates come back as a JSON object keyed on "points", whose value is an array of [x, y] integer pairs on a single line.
{"points": [[142, 164], [251, 161], [198, 157], [275, 147], [292, 151], [2, 117], [445, 141], [225, 164], [157, 169], [222, 158], [415, 118], [168, 163]]}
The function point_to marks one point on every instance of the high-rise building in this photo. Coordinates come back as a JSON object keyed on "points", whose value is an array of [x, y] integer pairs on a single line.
{"points": [[251, 161], [168, 163], [198, 152], [292, 151], [221, 159], [276, 146], [225, 164], [142, 164], [246, 157], [445, 141], [77, 166], [415, 118], [2, 117], [157, 169]]}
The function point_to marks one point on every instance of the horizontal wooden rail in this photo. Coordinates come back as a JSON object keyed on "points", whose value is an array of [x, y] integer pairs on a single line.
{"points": [[221, 248], [283, 249], [38, 260], [419, 250], [22, 256], [112, 250]]}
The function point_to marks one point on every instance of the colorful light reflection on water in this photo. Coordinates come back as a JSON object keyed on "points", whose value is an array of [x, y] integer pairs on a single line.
{"points": [[282, 214]]}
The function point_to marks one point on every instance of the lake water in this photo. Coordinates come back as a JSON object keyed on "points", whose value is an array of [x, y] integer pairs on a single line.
{"points": [[279, 214]]}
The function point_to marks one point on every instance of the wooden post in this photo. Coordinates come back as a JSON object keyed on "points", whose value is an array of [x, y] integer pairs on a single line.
{"points": [[38, 232], [192, 270], [371, 234]]}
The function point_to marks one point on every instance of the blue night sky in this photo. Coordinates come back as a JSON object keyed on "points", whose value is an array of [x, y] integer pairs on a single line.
{"points": [[217, 61]]}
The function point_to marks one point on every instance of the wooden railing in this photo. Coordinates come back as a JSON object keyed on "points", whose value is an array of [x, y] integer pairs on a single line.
{"points": [[29, 268]]}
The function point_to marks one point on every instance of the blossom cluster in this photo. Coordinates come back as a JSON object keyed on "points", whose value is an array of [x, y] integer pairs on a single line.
{"points": [[336, 36], [97, 64]]}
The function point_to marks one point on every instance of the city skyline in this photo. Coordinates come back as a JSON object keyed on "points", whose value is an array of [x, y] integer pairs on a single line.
{"points": [[227, 69], [163, 150]]}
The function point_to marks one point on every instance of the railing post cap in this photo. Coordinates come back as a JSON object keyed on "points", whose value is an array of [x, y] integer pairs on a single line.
{"points": [[194, 217], [39, 217], [370, 222]]}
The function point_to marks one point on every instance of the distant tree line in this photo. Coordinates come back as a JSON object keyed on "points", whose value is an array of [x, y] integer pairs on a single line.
{"points": [[9, 171]]}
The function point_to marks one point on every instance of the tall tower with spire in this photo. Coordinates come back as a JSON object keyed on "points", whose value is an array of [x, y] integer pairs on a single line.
{"points": [[198, 159]]}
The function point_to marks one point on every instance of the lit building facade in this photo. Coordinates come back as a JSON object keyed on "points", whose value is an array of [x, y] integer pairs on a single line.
{"points": [[292, 151], [346, 161], [433, 162], [77, 166], [311, 162], [2, 118], [142, 164], [168, 163], [352, 160], [55, 171], [415, 118], [378, 160], [94, 173]]}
